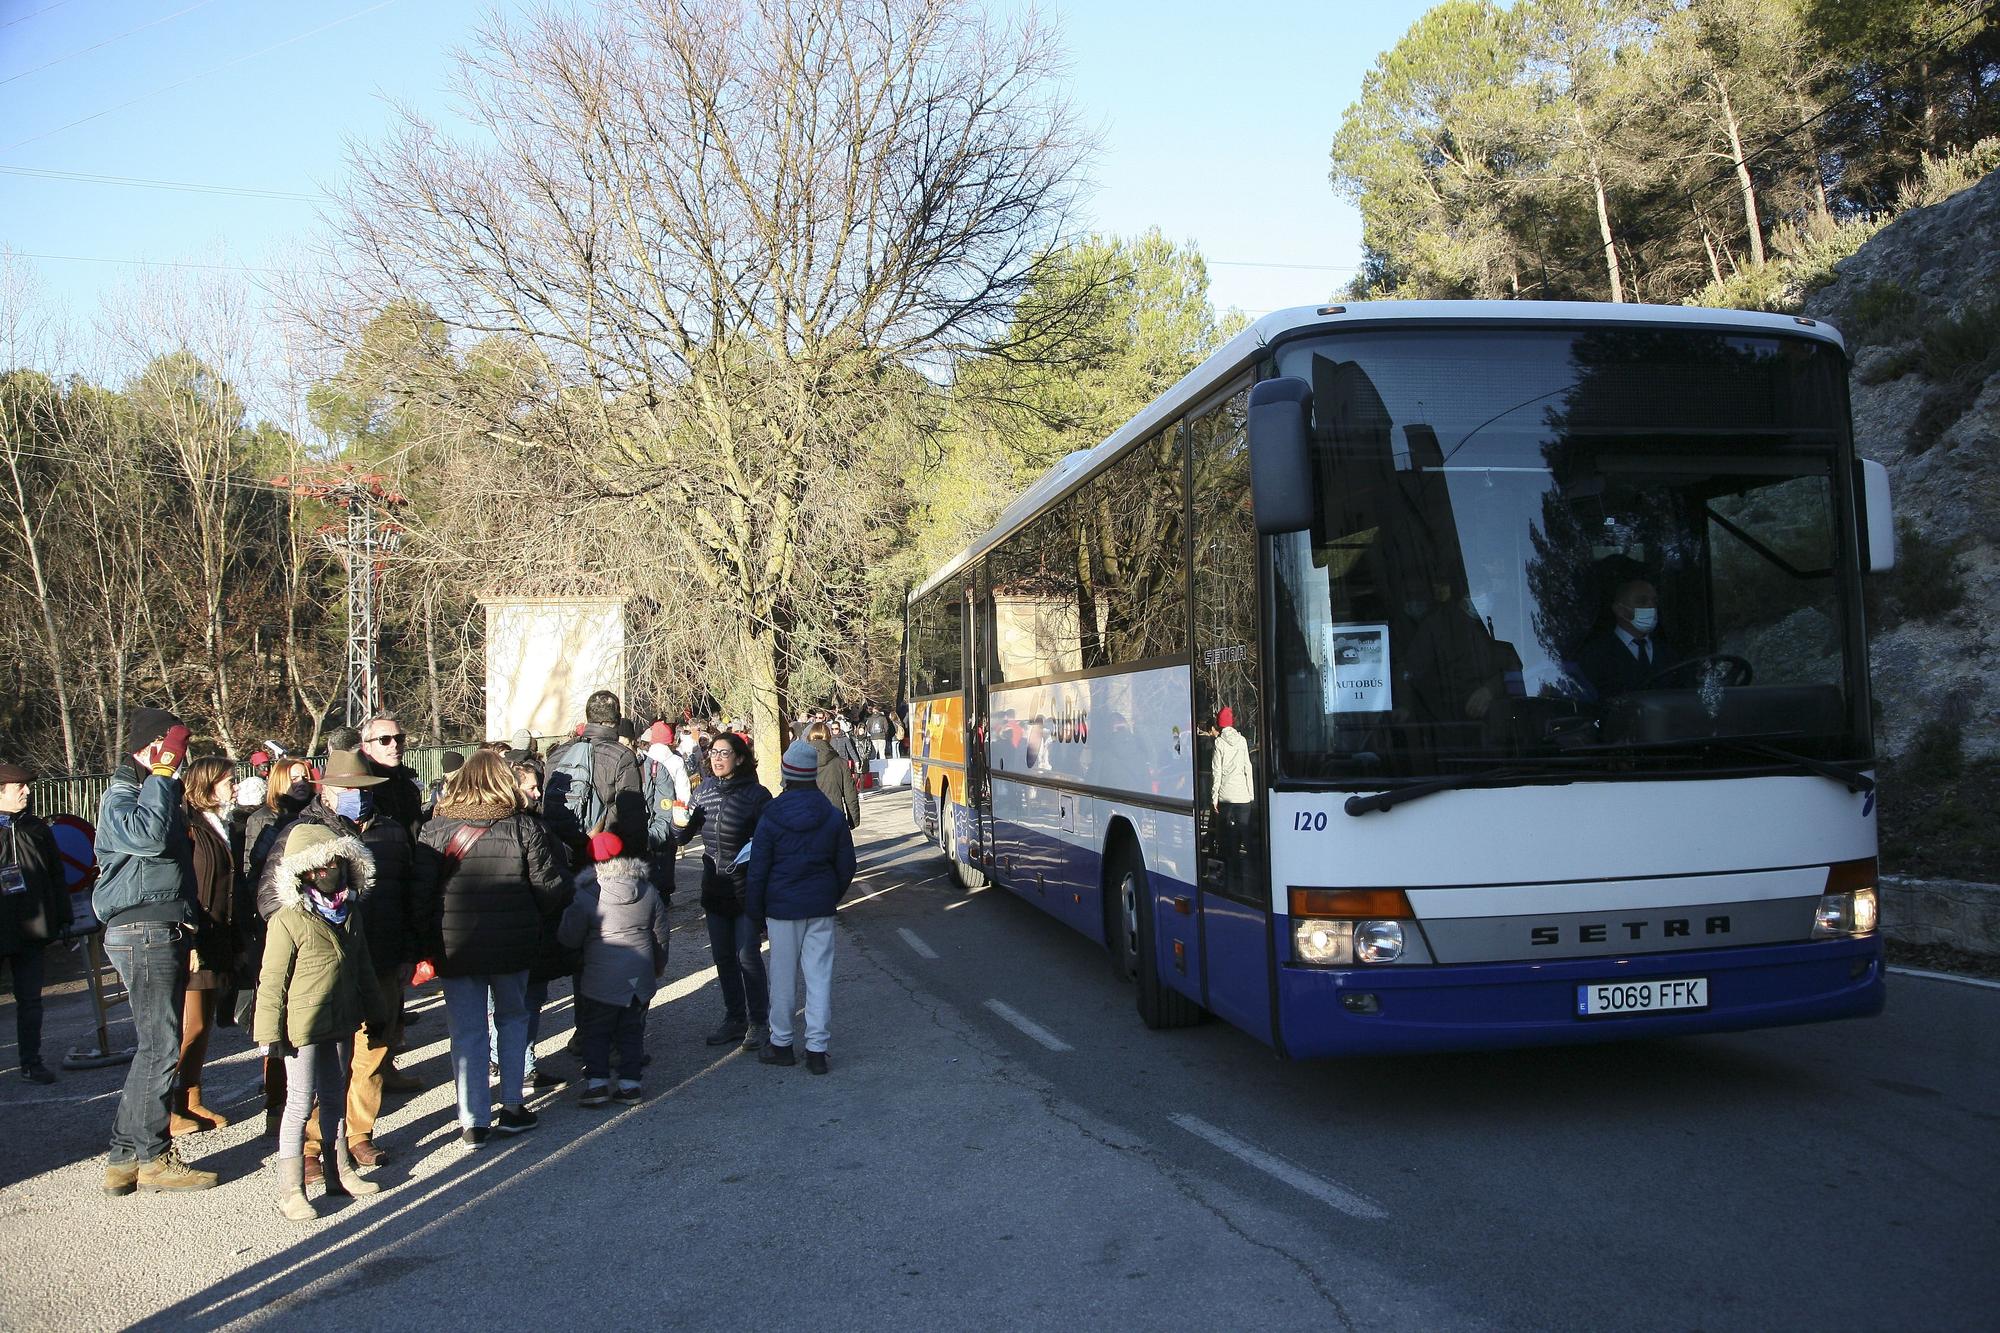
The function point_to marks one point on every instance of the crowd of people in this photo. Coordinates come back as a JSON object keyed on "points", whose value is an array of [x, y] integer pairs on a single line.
{"points": [[304, 901]]}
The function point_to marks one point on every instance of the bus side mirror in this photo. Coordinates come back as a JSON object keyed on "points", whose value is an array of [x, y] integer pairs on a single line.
{"points": [[1281, 481], [1878, 520]]}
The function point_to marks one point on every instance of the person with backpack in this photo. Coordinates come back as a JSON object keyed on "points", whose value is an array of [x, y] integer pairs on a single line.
{"points": [[725, 813], [801, 866], [593, 784], [501, 890]]}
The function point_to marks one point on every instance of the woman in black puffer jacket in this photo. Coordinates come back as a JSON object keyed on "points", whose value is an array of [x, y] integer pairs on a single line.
{"points": [[501, 889], [726, 808]]}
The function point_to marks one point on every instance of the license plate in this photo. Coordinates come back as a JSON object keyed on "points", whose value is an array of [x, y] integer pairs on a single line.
{"points": [[1601, 999]]}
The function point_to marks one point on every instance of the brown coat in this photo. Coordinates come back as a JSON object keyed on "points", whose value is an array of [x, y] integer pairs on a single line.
{"points": [[215, 913]]}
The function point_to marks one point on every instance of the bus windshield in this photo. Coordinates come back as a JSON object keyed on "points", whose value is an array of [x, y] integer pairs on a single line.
{"points": [[1605, 549]]}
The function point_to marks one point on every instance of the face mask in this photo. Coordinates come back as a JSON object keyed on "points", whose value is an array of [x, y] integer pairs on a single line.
{"points": [[1646, 619], [332, 906], [351, 803]]}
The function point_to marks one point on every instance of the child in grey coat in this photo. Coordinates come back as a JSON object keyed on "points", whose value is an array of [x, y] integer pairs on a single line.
{"points": [[620, 923]]}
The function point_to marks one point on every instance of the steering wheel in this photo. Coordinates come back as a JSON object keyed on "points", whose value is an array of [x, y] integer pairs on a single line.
{"points": [[1734, 670]]}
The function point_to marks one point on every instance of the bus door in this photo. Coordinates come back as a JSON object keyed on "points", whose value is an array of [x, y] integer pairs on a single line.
{"points": [[1230, 744], [979, 657]]}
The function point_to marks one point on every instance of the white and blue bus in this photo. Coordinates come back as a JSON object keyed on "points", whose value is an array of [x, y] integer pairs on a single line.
{"points": [[1428, 676]]}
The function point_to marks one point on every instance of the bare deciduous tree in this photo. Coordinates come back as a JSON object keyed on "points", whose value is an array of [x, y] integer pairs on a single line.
{"points": [[728, 231]]}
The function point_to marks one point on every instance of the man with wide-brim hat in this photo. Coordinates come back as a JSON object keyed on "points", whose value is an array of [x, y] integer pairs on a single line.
{"points": [[343, 808]]}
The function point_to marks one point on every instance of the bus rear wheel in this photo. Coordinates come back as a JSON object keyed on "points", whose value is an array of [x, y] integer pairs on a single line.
{"points": [[962, 874], [1134, 951]]}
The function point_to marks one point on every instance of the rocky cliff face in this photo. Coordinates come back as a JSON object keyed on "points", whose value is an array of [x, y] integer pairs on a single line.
{"points": [[1920, 307]]}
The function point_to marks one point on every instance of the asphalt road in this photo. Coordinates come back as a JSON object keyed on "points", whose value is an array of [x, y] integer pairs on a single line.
{"points": [[1001, 1144]]}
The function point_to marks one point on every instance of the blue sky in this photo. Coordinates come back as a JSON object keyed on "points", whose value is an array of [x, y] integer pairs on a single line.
{"points": [[1216, 123]]}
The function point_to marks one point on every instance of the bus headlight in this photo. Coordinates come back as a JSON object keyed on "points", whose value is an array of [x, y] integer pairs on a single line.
{"points": [[1849, 906], [1323, 943], [1378, 941], [1852, 913]]}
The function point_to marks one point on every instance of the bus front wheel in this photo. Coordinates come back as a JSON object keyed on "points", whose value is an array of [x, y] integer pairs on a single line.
{"points": [[1134, 953]]}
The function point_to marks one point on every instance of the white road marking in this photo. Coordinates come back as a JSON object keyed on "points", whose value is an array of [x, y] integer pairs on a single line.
{"points": [[921, 949], [1305, 1182], [1946, 976], [1028, 1025]]}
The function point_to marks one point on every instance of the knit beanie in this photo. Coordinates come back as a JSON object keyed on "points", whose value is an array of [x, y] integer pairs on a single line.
{"points": [[146, 726], [452, 761], [801, 762], [606, 847], [659, 734]]}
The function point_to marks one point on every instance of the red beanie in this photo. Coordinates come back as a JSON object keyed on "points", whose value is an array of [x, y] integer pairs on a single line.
{"points": [[606, 846], [1226, 718], [659, 734]]}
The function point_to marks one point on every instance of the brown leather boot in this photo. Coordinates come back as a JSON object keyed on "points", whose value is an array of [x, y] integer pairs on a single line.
{"points": [[197, 1111], [179, 1122], [315, 1173], [120, 1178]]}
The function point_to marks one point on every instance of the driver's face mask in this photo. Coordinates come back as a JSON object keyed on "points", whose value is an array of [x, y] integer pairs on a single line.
{"points": [[1645, 619]]}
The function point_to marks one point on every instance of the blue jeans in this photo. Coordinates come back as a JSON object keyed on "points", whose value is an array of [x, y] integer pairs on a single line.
{"points": [[739, 967], [465, 1001], [538, 996], [608, 1029], [27, 969], [151, 960]]}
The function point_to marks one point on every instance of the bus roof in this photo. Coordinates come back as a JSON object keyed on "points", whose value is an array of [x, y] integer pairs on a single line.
{"points": [[1241, 350]]}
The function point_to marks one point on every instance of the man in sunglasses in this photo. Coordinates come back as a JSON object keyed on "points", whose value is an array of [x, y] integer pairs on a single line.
{"points": [[401, 796]]}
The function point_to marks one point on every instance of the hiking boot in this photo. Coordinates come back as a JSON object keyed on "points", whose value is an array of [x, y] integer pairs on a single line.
{"points": [[365, 1153], [473, 1136], [816, 1062], [168, 1174], [627, 1094], [120, 1178], [775, 1054], [37, 1072], [515, 1120], [729, 1033], [596, 1094], [758, 1034], [315, 1172], [292, 1201]]}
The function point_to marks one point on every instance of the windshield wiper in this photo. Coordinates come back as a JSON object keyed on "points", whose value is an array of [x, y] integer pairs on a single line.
{"points": [[1846, 775], [1395, 796]]}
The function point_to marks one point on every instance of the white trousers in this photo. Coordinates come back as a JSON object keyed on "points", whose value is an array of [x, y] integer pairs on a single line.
{"points": [[801, 946]]}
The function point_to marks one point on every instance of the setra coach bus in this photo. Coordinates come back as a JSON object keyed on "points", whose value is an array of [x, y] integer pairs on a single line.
{"points": [[1437, 675]]}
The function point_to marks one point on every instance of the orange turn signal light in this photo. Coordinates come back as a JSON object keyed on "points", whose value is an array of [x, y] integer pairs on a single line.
{"points": [[1350, 903], [1848, 876]]}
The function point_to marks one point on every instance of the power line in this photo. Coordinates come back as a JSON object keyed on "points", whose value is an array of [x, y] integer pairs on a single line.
{"points": [[215, 69], [150, 263], [1261, 263], [33, 12], [145, 182], [86, 50]]}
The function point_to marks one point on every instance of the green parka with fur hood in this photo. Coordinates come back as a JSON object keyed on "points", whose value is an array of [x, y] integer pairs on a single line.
{"points": [[318, 981]]}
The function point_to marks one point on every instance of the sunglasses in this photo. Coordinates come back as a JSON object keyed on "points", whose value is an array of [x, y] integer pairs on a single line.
{"points": [[396, 739]]}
